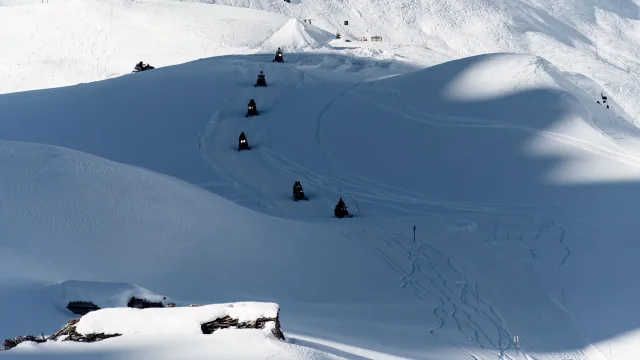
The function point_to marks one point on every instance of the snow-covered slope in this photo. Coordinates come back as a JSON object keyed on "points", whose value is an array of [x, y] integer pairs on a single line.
{"points": [[599, 39], [493, 196], [66, 42], [481, 170]]}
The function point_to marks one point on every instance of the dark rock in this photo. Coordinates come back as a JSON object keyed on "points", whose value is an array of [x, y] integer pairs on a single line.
{"points": [[82, 307], [134, 302], [228, 322], [70, 334], [11, 343]]}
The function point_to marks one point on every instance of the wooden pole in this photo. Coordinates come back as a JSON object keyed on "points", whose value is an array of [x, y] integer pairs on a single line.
{"points": [[414, 233]]}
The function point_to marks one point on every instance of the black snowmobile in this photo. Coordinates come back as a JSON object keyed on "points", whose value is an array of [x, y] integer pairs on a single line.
{"points": [[279, 56], [340, 210], [142, 67], [251, 109], [262, 81], [298, 193], [242, 142]]}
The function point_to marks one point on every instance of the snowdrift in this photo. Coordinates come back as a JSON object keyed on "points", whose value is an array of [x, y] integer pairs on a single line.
{"points": [[471, 125], [297, 36], [157, 331], [184, 320]]}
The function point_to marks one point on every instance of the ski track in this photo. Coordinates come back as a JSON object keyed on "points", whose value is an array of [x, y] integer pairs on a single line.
{"points": [[459, 121], [318, 138], [257, 130], [478, 323], [431, 276]]}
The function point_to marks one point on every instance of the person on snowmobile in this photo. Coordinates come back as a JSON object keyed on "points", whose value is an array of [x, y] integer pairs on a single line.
{"points": [[341, 209], [262, 81], [279, 56], [139, 66], [298, 193], [251, 108], [242, 142], [297, 186]]}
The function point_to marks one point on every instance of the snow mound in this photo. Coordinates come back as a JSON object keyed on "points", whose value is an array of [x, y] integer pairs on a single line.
{"points": [[297, 36], [186, 320], [103, 294]]}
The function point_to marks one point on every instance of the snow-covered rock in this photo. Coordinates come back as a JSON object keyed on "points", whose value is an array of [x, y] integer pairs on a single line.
{"points": [[185, 320]]}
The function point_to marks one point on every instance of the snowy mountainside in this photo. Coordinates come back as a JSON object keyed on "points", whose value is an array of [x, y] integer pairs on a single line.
{"points": [[478, 170], [521, 187], [66, 42], [594, 38]]}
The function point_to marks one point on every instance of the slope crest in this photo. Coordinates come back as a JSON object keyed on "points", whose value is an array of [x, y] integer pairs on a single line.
{"points": [[296, 35]]}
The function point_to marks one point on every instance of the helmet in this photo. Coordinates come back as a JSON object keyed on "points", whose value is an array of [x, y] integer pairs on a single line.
{"points": [[260, 71]]}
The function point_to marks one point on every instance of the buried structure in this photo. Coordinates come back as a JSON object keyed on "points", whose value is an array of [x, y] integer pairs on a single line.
{"points": [[102, 324]]}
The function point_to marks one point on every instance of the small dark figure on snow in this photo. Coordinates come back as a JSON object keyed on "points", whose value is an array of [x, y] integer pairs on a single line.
{"points": [[298, 193], [252, 110], [141, 66], [242, 142], [340, 210], [279, 56], [262, 81]]}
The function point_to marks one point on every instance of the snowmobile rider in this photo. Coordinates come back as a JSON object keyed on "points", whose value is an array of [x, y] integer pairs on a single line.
{"points": [[262, 81], [242, 142], [279, 56], [140, 66], [297, 187], [341, 205]]}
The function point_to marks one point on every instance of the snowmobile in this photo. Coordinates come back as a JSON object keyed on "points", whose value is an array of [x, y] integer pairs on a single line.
{"points": [[298, 193], [242, 142], [142, 67], [279, 56], [251, 109], [262, 81], [340, 210]]}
